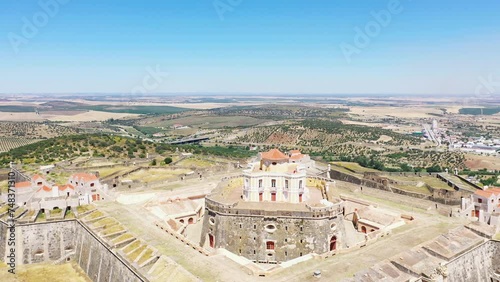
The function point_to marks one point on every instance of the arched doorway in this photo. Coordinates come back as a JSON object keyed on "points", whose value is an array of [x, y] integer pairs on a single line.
{"points": [[190, 220], [333, 243], [363, 229]]}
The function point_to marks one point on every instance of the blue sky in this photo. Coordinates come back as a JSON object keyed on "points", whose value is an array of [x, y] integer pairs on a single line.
{"points": [[249, 46]]}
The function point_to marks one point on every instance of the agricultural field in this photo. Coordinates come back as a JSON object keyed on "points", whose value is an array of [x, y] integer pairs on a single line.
{"points": [[35, 130], [9, 143], [209, 122], [321, 133]]}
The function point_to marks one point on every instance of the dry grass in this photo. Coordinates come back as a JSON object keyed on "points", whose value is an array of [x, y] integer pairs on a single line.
{"points": [[104, 172], [156, 174], [432, 181], [89, 116], [84, 208], [147, 255], [113, 229], [122, 237], [476, 162], [105, 221], [131, 247], [94, 215], [68, 272], [355, 166], [402, 112], [415, 189], [195, 162], [135, 254]]}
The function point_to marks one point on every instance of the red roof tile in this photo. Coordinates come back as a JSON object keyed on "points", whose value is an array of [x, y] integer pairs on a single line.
{"points": [[24, 184], [45, 188], [297, 157], [67, 186], [84, 176], [488, 192], [36, 177], [274, 155]]}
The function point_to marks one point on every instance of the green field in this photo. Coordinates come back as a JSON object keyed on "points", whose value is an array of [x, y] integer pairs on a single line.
{"points": [[479, 111]]}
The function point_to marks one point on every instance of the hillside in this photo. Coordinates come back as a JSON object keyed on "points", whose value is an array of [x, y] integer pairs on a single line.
{"points": [[323, 133], [108, 146]]}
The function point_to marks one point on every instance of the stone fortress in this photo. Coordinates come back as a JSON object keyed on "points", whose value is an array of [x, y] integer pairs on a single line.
{"points": [[274, 213], [277, 212]]}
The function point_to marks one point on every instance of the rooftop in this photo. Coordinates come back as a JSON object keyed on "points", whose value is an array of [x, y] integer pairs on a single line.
{"points": [[231, 192], [274, 155], [488, 193], [84, 176]]}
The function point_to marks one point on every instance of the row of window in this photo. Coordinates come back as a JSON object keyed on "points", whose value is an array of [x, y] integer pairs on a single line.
{"points": [[273, 183]]}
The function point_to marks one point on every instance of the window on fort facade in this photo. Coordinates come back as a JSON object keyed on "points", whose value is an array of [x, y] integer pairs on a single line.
{"points": [[300, 184], [260, 183], [479, 200], [273, 183], [286, 184], [269, 245]]}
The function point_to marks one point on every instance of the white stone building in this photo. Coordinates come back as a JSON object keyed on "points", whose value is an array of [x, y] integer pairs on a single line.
{"points": [[81, 189], [484, 205], [276, 177]]}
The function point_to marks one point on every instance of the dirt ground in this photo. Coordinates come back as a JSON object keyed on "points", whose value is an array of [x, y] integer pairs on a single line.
{"points": [[70, 116], [89, 116], [402, 112], [475, 162]]}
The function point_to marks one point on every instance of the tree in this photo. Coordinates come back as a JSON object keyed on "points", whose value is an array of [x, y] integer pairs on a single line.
{"points": [[153, 163], [168, 160]]}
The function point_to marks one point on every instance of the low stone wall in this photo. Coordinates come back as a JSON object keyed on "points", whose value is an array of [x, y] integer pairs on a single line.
{"points": [[442, 196]]}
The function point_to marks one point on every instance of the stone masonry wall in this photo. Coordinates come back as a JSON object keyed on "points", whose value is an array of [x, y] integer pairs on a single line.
{"points": [[3, 239], [292, 237], [57, 241], [477, 264], [100, 263], [43, 242]]}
